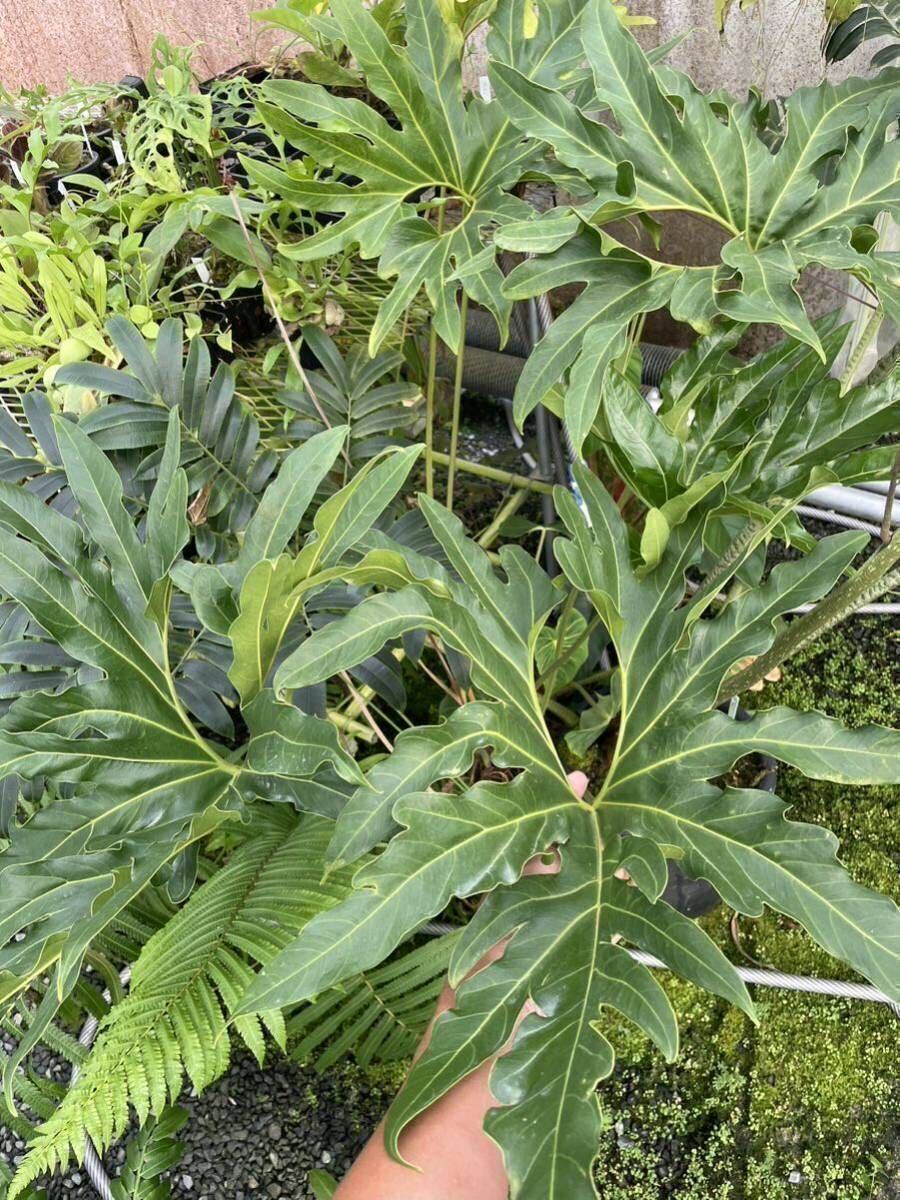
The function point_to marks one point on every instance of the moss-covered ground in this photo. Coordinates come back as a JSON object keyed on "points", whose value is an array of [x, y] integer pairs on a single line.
{"points": [[804, 1106]]}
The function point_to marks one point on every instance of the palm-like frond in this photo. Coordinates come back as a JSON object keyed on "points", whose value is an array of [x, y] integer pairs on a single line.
{"points": [[226, 465], [175, 1020], [351, 389], [29, 453], [866, 23]]}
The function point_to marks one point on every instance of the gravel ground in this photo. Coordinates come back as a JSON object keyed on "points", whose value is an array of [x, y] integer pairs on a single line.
{"points": [[256, 1133]]}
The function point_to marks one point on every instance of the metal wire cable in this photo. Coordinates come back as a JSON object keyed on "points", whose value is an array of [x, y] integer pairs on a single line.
{"points": [[836, 518], [762, 976], [96, 1172]]}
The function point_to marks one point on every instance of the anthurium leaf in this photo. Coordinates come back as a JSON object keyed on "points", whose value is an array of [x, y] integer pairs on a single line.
{"points": [[666, 750], [139, 783], [421, 757], [323, 1185], [669, 744], [136, 766], [552, 644], [352, 639], [595, 719], [560, 958], [211, 594], [442, 141], [790, 866], [346, 516], [167, 524], [819, 746], [268, 604], [770, 429], [22, 512], [810, 425], [619, 286], [635, 436], [287, 742], [654, 536], [767, 292], [97, 487], [645, 865]]}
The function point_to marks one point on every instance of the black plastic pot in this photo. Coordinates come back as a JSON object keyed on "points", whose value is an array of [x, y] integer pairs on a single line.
{"points": [[697, 897], [57, 187]]}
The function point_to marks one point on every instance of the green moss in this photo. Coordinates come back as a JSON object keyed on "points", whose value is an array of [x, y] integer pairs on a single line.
{"points": [[811, 1094]]}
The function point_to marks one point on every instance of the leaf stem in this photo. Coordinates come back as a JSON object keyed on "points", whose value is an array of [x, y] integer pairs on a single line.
{"points": [[562, 713], [457, 398], [431, 383], [276, 313], [567, 654], [562, 626], [886, 521], [363, 707], [510, 506], [878, 575], [494, 473]]}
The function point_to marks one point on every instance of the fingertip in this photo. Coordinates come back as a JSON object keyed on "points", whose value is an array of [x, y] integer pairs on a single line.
{"points": [[578, 782]]}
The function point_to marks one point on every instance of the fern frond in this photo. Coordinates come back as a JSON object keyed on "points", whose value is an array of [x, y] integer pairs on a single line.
{"points": [[151, 1153], [379, 1015], [175, 1020]]}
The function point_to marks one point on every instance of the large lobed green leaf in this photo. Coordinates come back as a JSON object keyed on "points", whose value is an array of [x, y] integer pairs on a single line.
{"points": [[444, 147], [659, 797], [133, 780], [806, 191]]}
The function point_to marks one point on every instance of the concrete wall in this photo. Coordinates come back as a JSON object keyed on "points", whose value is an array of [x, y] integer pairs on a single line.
{"points": [[47, 41], [774, 45]]}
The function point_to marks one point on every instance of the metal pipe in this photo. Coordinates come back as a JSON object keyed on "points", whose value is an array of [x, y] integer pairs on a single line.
{"points": [[833, 518], [545, 452], [854, 502]]}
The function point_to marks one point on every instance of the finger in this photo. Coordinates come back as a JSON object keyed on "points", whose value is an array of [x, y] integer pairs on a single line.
{"points": [[578, 782]]}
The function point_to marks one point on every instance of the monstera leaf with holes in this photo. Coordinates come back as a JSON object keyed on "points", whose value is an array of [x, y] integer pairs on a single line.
{"points": [[442, 148], [806, 192], [745, 439], [569, 933], [135, 782]]}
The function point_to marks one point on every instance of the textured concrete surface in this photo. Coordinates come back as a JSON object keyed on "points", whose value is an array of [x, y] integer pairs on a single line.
{"points": [[774, 45], [47, 41]]}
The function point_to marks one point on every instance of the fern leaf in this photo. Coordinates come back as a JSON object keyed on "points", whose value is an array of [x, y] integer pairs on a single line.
{"points": [[175, 1020], [379, 1015], [151, 1153]]}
